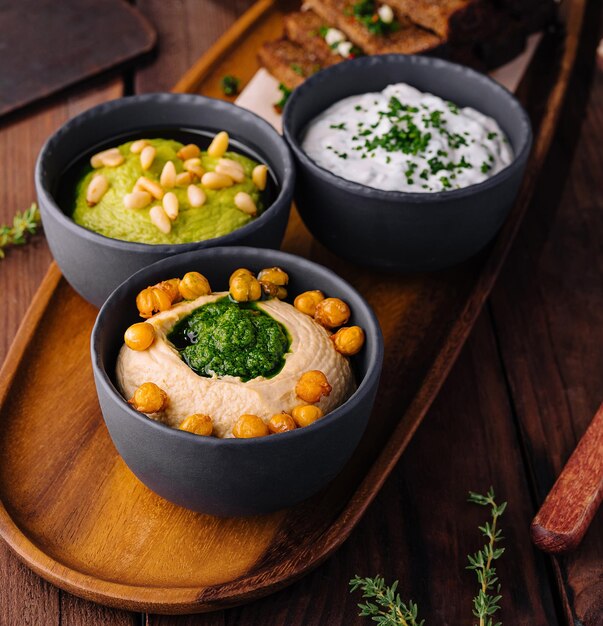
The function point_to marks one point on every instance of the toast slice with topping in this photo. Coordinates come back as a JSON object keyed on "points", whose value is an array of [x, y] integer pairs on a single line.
{"points": [[310, 31], [291, 64], [450, 19], [363, 25]]}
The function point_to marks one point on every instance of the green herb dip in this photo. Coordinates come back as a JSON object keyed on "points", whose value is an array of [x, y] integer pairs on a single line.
{"points": [[227, 338], [218, 216]]}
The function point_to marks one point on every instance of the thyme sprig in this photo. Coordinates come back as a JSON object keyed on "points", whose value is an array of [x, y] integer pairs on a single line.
{"points": [[387, 608], [486, 603], [24, 223]]}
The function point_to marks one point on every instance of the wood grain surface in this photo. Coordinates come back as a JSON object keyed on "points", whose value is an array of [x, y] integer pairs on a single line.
{"points": [[102, 534], [419, 528]]}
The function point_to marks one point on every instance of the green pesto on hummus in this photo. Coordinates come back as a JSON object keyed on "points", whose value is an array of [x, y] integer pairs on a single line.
{"points": [[216, 217]]}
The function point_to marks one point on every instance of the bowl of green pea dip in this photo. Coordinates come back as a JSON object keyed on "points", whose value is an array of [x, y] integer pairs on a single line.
{"points": [[217, 216], [141, 178]]}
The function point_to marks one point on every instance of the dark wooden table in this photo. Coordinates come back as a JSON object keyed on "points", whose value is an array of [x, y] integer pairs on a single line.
{"points": [[521, 394]]}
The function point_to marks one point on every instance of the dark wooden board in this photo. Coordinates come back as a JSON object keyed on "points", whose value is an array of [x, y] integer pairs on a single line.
{"points": [[422, 316], [547, 311], [49, 44]]}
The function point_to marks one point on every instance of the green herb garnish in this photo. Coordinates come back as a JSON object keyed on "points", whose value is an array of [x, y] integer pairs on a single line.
{"points": [[485, 604], [280, 105], [385, 607], [365, 12], [297, 68], [230, 85], [454, 109], [24, 223]]}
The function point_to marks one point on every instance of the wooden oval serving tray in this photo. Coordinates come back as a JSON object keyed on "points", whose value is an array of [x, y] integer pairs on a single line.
{"points": [[74, 513]]}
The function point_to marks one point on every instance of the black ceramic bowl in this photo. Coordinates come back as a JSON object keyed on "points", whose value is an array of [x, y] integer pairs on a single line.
{"points": [[94, 264], [397, 230], [230, 477]]}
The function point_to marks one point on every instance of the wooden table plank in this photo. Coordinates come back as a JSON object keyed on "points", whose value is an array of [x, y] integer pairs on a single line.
{"points": [[548, 307], [186, 29], [25, 598], [420, 528]]}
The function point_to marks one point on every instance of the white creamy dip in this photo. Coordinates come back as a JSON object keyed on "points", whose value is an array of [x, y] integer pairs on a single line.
{"points": [[402, 139]]}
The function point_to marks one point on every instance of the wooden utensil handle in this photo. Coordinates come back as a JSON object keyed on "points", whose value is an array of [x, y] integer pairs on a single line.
{"points": [[568, 510]]}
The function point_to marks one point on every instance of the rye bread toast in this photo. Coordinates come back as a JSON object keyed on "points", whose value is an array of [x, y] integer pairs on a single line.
{"points": [[407, 39], [304, 29], [452, 20], [289, 63]]}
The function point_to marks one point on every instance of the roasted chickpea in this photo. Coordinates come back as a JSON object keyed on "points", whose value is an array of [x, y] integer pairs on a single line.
{"points": [[140, 336], [273, 291], [198, 424], [270, 289], [281, 423], [239, 272], [249, 426], [348, 340], [152, 300], [332, 312], [312, 386], [274, 275], [306, 302], [149, 398], [245, 288], [306, 414], [194, 285], [171, 287]]}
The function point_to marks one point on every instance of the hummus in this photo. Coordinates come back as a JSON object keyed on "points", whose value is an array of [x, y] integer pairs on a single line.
{"points": [[226, 398], [217, 217]]}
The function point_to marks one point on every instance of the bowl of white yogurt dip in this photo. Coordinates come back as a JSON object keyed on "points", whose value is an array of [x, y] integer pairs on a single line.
{"points": [[408, 163]]}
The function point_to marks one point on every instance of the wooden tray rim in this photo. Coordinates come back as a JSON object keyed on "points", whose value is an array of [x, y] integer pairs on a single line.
{"points": [[177, 600]]}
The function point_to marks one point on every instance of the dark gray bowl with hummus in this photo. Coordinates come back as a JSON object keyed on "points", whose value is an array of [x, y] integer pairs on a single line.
{"points": [[394, 229], [234, 477], [96, 264]]}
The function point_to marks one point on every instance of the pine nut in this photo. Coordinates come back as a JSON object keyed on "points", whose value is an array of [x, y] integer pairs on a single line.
{"points": [[107, 158], [212, 180], [168, 175], [244, 202], [259, 176], [196, 196], [96, 189], [138, 145], [194, 166], [184, 178], [146, 184], [231, 163], [188, 152], [113, 160], [147, 156], [219, 145], [170, 205], [160, 219], [137, 199], [231, 168]]}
